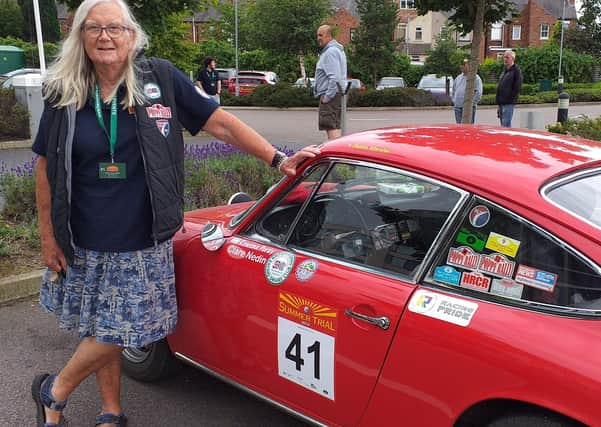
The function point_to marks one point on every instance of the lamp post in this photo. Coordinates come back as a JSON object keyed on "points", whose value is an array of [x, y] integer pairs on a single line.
{"points": [[236, 44], [38, 30], [559, 75]]}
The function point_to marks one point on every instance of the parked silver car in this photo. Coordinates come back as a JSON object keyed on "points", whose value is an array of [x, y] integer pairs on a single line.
{"points": [[436, 85], [390, 82]]}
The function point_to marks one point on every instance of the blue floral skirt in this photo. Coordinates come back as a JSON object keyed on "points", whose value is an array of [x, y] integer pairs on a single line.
{"points": [[122, 298]]}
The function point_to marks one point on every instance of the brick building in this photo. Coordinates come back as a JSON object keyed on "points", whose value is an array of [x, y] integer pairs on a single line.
{"points": [[532, 27]]}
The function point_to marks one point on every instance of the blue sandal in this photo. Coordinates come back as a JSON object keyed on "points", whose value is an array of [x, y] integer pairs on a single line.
{"points": [[41, 391], [107, 418]]}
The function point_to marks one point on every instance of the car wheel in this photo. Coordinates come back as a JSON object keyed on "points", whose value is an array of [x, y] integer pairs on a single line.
{"points": [[149, 363], [533, 420]]}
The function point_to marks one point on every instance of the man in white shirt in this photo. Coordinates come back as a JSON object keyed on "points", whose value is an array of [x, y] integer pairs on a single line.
{"points": [[459, 86]]}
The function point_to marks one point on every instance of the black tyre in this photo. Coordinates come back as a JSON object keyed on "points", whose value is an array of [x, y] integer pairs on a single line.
{"points": [[149, 363], [533, 420]]}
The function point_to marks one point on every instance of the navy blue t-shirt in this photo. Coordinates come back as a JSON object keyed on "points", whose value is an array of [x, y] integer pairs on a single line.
{"points": [[114, 215]]}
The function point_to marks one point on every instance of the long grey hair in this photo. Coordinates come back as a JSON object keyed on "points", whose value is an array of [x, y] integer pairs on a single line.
{"points": [[71, 76]]}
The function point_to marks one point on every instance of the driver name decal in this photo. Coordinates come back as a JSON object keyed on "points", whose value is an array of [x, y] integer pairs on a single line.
{"points": [[443, 307], [252, 245]]}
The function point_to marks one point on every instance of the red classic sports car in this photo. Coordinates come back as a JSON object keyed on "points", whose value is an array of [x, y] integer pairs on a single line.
{"points": [[412, 276]]}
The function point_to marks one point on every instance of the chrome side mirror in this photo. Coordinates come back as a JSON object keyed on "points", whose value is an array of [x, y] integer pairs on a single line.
{"points": [[212, 237]]}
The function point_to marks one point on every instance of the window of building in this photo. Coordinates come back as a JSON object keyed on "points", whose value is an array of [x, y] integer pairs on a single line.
{"points": [[544, 31], [407, 4], [418, 33], [496, 32], [516, 33], [401, 30], [415, 58], [465, 37]]}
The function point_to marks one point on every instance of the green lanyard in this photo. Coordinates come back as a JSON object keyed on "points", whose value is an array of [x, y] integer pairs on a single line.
{"points": [[98, 107]]}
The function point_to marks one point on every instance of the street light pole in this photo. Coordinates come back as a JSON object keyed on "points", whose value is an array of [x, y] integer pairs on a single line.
{"points": [[559, 75], [38, 30], [236, 42]]}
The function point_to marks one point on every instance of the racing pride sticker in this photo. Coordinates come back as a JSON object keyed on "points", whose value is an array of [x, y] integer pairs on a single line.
{"points": [[278, 267], [443, 307]]}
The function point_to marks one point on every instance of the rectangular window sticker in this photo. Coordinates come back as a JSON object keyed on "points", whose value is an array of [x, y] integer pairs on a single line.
{"points": [[497, 265], [447, 274], [463, 256], [535, 278], [473, 239], [443, 307], [506, 288], [502, 244], [476, 281]]}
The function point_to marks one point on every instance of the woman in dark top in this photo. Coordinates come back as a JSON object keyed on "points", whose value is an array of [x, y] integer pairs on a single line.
{"points": [[109, 196]]}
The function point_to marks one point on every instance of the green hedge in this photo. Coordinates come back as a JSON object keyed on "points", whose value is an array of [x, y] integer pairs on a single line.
{"points": [[586, 128], [285, 95], [15, 117], [32, 57], [576, 95], [533, 88]]}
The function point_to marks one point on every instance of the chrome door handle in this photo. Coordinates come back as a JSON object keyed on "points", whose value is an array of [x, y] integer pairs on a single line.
{"points": [[381, 322]]}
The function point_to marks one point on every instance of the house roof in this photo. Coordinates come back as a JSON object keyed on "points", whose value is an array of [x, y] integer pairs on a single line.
{"points": [[553, 8], [211, 14]]}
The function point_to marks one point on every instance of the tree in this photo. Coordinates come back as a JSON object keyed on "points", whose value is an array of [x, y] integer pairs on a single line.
{"points": [[11, 19], [287, 27], [153, 14], [445, 58], [466, 16], [373, 47], [51, 31], [586, 36]]}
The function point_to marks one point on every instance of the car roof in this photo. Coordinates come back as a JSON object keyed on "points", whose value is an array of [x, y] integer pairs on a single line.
{"points": [[501, 161]]}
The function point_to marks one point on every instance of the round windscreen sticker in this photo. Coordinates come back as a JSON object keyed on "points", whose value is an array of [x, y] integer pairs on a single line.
{"points": [[479, 216]]}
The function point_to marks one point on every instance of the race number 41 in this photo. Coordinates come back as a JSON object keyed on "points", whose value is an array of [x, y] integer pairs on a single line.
{"points": [[306, 357]]}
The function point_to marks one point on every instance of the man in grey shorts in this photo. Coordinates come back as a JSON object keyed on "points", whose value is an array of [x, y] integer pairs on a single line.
{"points": [[330, 78]]}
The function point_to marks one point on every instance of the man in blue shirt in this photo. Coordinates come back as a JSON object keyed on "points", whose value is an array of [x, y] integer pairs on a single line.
{"points": [[330, 79], [459, 86]]}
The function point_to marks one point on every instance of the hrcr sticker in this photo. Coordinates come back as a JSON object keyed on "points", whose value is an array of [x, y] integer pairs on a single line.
{"points": [[535, 278], [479, 216], [306, 269], [447, 274], [443, 307], [476, 281], [278, 267], [503, 244]]}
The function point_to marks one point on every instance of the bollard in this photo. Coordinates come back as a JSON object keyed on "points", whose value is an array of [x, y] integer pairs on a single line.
{"points": [[563, 103], [343, 106]]}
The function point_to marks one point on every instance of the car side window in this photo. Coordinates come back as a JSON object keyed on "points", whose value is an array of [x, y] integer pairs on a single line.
{"points": [[374, 217], [498, 253], [276, 223]]}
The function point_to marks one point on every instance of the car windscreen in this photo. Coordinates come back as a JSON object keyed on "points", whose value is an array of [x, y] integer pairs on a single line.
{"points": [[580, 195], [432, 82]]}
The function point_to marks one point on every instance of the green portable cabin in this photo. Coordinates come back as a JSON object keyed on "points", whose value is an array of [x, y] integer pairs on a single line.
{"points": [[11, 58]]}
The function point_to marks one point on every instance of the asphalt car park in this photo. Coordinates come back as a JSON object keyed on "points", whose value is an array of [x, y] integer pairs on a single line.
{"points": [[448, 275]]}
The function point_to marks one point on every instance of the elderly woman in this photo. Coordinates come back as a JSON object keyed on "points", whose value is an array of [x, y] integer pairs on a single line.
{"points": [[110, 196]]}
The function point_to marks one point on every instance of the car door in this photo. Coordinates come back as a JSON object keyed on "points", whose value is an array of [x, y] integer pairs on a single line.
{"points": [[302, 305]]}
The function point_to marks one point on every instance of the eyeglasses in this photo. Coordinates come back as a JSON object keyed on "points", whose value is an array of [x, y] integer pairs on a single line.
{"points": [[114, 31]]}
